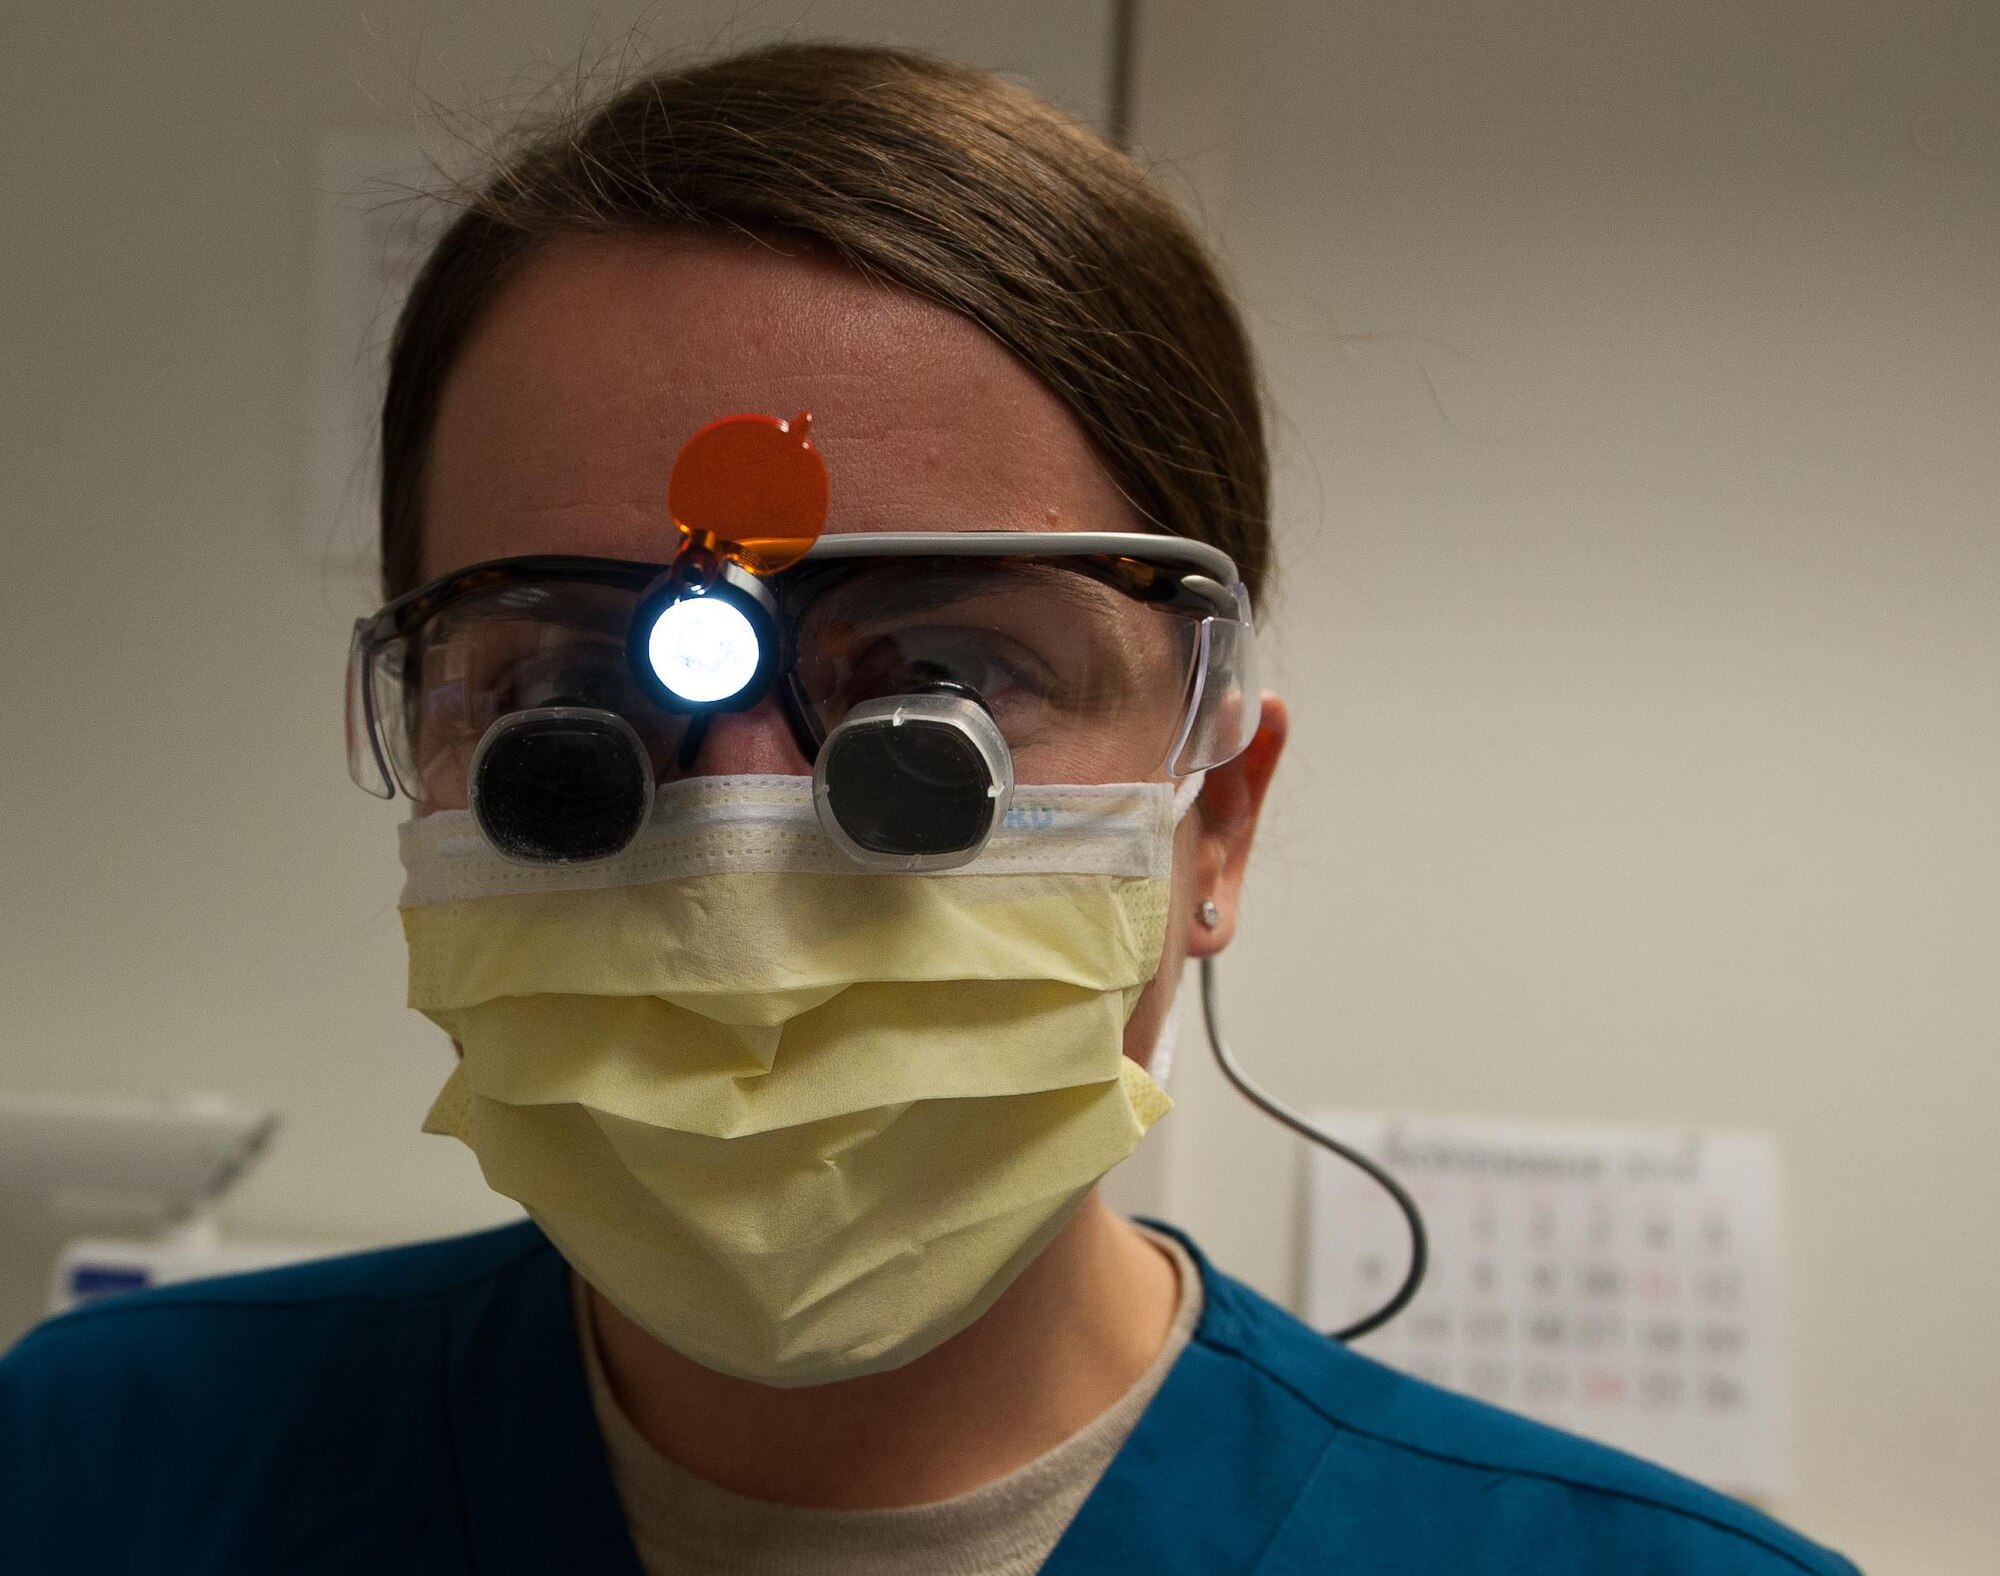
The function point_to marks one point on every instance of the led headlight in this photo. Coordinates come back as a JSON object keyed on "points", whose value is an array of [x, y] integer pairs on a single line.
{"points": [[706, 647]]}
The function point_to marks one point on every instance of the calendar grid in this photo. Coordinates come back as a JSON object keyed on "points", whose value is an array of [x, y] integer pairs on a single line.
{"points": [[1622, 1282]]}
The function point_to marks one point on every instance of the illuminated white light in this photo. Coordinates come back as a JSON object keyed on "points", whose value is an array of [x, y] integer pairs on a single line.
{"points": [[703, 648]]}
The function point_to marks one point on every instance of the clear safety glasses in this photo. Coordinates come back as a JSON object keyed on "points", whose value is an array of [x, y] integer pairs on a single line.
{"points": [[1083, 657]]}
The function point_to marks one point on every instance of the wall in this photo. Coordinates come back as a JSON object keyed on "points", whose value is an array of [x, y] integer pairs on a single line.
{"points": [[1636, 370]]}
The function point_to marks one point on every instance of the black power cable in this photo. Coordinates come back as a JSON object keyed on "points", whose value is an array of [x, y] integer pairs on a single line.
{"points": [[1211, 1016]]}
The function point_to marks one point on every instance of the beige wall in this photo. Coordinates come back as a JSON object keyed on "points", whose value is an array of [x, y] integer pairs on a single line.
{"points": [[1639, 380], [1637, 369]]}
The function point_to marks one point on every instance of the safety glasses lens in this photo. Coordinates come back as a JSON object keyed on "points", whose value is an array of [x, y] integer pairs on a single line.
{"points": [[501, 651], [1085, 683]]}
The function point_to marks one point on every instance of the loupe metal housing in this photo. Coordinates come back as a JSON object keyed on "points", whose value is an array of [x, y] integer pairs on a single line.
{"points": [[914, 782], [560, 785]]}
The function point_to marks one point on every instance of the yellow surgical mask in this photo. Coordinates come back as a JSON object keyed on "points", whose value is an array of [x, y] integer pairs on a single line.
{"points": [[796, 1120]]}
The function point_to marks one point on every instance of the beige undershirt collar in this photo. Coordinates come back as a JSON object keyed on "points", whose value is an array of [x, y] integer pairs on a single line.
{"points": [[684, 1525]]}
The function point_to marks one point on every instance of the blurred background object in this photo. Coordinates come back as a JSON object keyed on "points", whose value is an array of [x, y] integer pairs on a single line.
{"points": [[154, 1171], [1637, 373]]}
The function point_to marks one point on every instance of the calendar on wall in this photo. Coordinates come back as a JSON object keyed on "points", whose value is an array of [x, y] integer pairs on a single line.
{"points": [[1625, 1283]]}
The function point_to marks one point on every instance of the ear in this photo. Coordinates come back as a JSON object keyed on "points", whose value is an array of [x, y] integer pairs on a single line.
{"points": [[1231, 798]]}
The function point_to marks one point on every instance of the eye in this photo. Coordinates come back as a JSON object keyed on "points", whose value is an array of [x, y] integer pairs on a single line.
{"points": [[593, 674], [1004, 674]]}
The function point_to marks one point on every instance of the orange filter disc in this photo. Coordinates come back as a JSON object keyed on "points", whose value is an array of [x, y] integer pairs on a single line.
{"points": [[751, 489]]}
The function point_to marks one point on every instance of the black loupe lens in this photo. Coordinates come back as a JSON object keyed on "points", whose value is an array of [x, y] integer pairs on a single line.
{"points": [[558, 789], [919, 787]]}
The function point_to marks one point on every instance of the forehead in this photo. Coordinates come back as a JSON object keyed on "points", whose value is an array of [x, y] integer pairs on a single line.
{"points": [[560, 422]]}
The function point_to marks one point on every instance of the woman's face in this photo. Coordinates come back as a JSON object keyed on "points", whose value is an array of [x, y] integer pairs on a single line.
{"points": [[562, 418]]}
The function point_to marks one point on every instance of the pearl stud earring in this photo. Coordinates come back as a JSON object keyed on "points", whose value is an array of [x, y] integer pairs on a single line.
{"points": [[1209, 915]]}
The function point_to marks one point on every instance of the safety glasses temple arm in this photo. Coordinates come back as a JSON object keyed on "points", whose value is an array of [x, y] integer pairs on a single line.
{"points": [[1149, 546]]}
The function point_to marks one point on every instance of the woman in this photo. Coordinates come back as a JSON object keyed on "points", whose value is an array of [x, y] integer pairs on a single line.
{"points": [[803, 1012]]}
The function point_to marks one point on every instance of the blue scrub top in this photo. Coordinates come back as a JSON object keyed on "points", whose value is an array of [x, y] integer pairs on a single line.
{"points": [[424, 1410]]}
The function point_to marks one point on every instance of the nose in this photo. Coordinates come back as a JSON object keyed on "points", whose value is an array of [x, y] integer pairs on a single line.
{"points": [[753, 743]]}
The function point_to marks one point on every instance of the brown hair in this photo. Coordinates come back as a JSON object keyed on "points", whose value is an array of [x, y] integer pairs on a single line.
{"points": [[949, 181]]}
